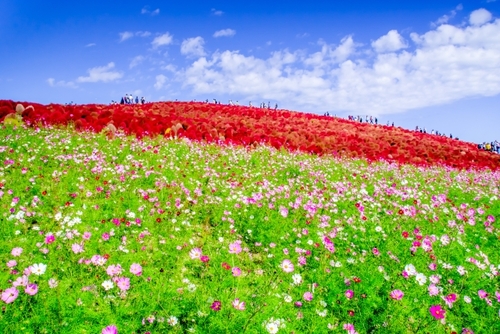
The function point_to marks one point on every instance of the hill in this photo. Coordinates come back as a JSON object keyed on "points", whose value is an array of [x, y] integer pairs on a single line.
{"points": [[251, 125]]}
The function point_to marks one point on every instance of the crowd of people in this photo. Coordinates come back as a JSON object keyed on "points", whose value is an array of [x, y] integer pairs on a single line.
{"points": [[129, 99], [494, 146]]}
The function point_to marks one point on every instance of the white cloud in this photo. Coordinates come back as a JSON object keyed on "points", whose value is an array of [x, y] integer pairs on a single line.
{"points": [[224, 33], [128, 35], [480, 17], [217, 12], [143, 33], [164, 39], [391, 42], [125, 35], [136, 61], [444, 65], [160, 81], [193, 47], [61, 83], [101, 73], [90, 45], [445, 18], [146, 10]]}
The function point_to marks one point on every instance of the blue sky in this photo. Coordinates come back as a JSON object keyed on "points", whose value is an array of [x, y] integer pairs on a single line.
{"points": [[435, 64]]}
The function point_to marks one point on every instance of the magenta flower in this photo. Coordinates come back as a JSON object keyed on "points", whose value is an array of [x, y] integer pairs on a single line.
{"points": [[450, 299], [349, 294], [497, 294], [235, 247], [397, 294], [236, 271], [9, 295], [31, 289], [105, 236], [49, 238], [376, 252], [123, 283], [204, 258], [136, 269], [110, 330], [216, 305], [437, 312]]}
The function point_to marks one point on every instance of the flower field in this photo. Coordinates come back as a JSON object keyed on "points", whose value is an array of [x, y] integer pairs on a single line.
{"points": [[103, 232], [249, 126]]}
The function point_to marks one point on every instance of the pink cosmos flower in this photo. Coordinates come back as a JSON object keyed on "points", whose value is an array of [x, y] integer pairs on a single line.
{"points": [[497, 294], [287, 266], [437, 312], [114, 270], [49, 238], [31, 289], [235, 247], [136, 269], [238, 304], [482, 294], [376, 252], [308, 296], [110, 330], [16, 251], [283, 211], [123, 283], [77, 248], [195, 253], [21, 281], [349, 294], [236, 271], [87, 235], [105, 236], [11, 263], [433, 290], [350, 329], [216, 305], [397, 294], [9, 295], [450, 299]]}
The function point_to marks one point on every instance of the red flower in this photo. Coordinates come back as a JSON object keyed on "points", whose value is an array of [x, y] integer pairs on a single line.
{"points": [[405, 234], [226, 266]]}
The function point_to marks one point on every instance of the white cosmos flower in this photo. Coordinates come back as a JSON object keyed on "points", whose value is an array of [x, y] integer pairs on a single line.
{"points": [[421, 278], [38, 269], [107, 285]]}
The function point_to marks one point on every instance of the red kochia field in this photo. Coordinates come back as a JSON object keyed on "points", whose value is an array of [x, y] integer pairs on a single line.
{"points": [[251, 125]]}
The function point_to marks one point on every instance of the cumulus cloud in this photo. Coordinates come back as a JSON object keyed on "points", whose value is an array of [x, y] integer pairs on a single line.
{"points": [[479, 17], [160, 81], [101, 73], [161, 40], [390, 42], [441, 66], [193, 47], [224, 33]]}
